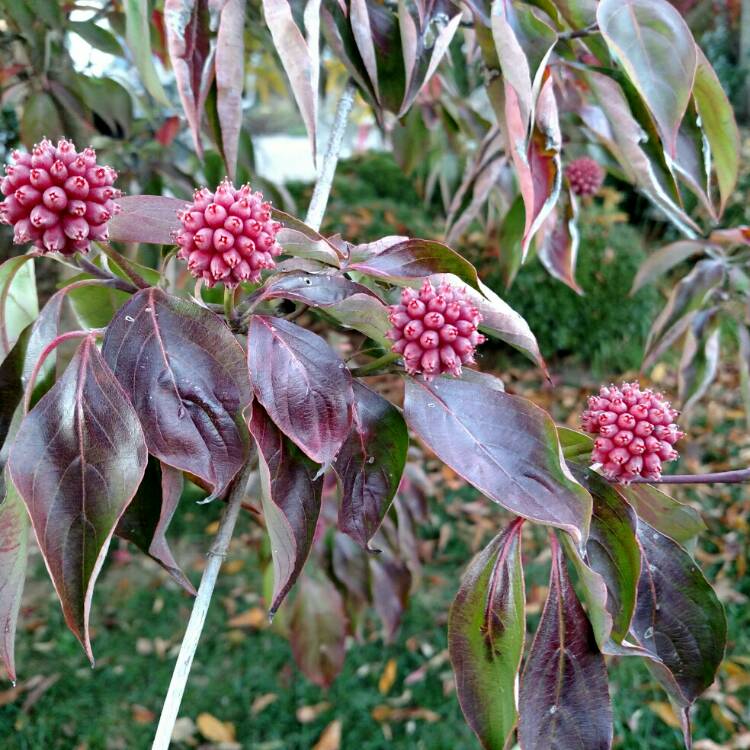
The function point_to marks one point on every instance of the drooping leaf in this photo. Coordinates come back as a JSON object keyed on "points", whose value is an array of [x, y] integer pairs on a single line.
{"points": [[678, 618], [486, 631], [185, 374], [564, 699], [14, 539], [12, 384], [146, 218], [664, 259], [299, 56], [186, 26], [700, 357], [503, 445], [290, 496], [305, 388], [40, 119], [743, 361], [230, 79], [557, 241], [666, 515], [137, 18], [655, 47], [77, 461], [97, 36], [370, 463], [18, 299], [410, 261], [612, 551], [318, 627], [719, 126], [350, 565], [148, 516], [390, 582]]}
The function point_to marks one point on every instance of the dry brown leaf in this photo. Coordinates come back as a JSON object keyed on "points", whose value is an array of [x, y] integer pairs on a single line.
{"points": [[232, 567], [388, 677], [306, 714], [256, 617], [331, 737], [215, 730], [262, 702], [387, 713], [141, 714]]}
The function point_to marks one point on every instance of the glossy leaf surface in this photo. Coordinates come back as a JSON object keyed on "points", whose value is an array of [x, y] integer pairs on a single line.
{"points": [[186, 376], [77, 461]]}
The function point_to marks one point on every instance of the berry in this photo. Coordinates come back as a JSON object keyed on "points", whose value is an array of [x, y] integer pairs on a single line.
{"points": [[435, 329], [585, 176], [636, 431], [228, 235], [58, 199]]}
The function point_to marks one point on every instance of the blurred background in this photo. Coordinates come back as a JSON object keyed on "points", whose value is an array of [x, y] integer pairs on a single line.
{"points": [[73, 68]]}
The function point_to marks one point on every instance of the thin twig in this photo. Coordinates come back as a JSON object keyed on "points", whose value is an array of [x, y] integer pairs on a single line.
{"points": [[579, 33], [720, 477], [111, 279], [216, 555], [322, 189]]}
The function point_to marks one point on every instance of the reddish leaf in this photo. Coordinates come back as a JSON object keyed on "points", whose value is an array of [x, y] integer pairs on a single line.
{"points": [[146, 218], [14, 539], [148, 516], [186, 376], [318, 628], [351, 566], [291, 501], [504, 445], [302, 241], [486, 631], [186, 24], [299, 56], [557, 242], [564, 700], [77, 461], [230, 79], [305, 388], [390, 584], [370, 464]]}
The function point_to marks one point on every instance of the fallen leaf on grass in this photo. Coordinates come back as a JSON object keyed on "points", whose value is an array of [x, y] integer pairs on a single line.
{"points": [[331, 737], [252, 618], [142, 715], [184, 730], [214, 730], [262, 702], [388, 677], [386, 713], [306, 714]]}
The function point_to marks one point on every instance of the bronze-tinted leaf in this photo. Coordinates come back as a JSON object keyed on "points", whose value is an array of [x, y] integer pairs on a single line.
{"points": [[186, 376], [486, 631], [504, 445], [290, 495], [77, 461], [370, 464], [564, 699], [305, 388]]}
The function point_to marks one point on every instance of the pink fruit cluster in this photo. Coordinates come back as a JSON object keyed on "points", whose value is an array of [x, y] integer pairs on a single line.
{"points": [[585, 176], [636, 431], [228, 235], [435, 329], [57, 198]]}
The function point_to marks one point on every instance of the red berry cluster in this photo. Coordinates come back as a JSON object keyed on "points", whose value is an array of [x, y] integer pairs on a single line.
{"points": [[636, 431], [435, 329], [57, 198], [228, 235], [585, 176]]}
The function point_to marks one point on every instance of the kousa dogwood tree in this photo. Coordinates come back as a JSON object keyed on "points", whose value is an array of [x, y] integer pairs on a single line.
{"points": [[253, 401]]}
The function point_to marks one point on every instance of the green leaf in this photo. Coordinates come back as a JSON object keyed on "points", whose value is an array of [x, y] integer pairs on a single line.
{"points": [[97, 36], [18, 299], [40, 119], [719, 126], [486, 631], [654, 45], [110, 100], [138, 36], [664, 260], [95, 306], [700, 357]]}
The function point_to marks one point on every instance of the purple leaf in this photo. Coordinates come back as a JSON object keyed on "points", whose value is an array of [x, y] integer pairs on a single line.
{"points": [[14, 539], [503, 445], [318, 628], [77, 461], [148, 516], [305, 388], [557, 241], [564, 699], [486, 630], [186, 376], [390, 583], [350, 564], [678, 618], [186, 25], [313, 289], [370, 464], [291, 501], [146, 218], [230, 78], [299, 56]]}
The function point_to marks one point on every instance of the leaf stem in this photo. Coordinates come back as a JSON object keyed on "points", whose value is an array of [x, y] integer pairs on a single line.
{"points": [[99, 273], [124, 264], [323, 184], [375, 365], [229, 304], [216, 555], [737, 476]]}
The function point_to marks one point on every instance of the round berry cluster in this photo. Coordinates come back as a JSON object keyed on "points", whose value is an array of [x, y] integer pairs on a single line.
{"points": [[585, 176], [636, 431]]}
